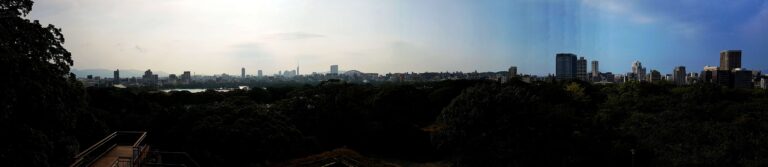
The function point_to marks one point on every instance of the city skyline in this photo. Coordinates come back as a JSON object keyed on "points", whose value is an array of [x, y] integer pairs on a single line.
{"points": [[400, 36], [729, 73], [729, 60]]}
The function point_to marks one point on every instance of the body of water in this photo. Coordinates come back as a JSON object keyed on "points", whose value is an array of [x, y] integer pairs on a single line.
{"points": [[198, 90], [189, 90]]}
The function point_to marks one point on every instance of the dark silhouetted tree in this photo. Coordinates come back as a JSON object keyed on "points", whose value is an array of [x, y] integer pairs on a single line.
{"points": [[40, 100]]}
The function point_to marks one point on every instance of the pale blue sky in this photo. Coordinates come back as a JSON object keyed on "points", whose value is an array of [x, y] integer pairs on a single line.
{"points": [[213, 37]]}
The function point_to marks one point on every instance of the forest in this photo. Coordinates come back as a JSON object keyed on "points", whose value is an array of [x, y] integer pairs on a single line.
{"points": [[461, 123], [464, 123]]}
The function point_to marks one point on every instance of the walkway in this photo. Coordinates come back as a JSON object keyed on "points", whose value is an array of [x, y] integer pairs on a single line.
{"points": [[108, 159]]}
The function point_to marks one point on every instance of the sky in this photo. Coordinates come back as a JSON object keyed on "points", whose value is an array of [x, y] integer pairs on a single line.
{"points": [[383, 36]]}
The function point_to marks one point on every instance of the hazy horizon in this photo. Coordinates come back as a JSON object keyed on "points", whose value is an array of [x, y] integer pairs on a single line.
{"points": [[209, 37]]}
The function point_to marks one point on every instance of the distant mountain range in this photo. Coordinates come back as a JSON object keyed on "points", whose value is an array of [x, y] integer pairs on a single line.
{"points": [[106, 73]]}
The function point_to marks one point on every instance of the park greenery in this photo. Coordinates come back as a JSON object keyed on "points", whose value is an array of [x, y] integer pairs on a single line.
{"points": [[464, 123], [46, 117]]}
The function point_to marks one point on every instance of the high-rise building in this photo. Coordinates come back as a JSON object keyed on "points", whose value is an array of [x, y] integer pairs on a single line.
{"points": [[730, 59], [595, 70], [147, 74], [581, 69], [565, 66], [709, 74], [260, 74], [638, 70], [186, 77], [655, 76], [242, 72], [117, 76], [512, 72], [149, 78], [742, 78], [724, 77], [335, 69], [609, 77], [678, 75]]}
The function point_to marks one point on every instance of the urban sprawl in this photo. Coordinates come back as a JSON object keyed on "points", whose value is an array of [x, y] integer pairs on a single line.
{"points": [[730, 73]]}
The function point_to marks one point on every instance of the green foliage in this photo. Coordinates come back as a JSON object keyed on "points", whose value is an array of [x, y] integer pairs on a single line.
{"points": [[469, 123], [42, 106], [656, 125], [218, 129], [511, 125]]}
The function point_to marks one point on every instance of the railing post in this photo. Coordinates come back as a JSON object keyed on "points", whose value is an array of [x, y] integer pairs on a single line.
{"points": [[135, 155]]}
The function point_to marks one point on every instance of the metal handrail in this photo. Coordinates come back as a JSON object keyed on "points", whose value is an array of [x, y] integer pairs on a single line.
{"points": [[140, 140], [81, 159], [97, 145], [85, 155]]}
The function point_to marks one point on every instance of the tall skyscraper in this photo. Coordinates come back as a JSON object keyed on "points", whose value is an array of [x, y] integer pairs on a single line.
{"points": [[335, 69], [678, 75], [186, 77], [512, 72], [595, 70], [581, 69], [242, 72], [730, 59], [566, 66], [117, 76], [638, 70], [260, 74]]}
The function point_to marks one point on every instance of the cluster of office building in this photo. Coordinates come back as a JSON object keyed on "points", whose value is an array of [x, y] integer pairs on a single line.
{"points": [[730, 72]]}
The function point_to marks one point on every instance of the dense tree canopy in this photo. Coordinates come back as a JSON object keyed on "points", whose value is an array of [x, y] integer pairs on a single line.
{"points": [[41, 104], [466, 123]]}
